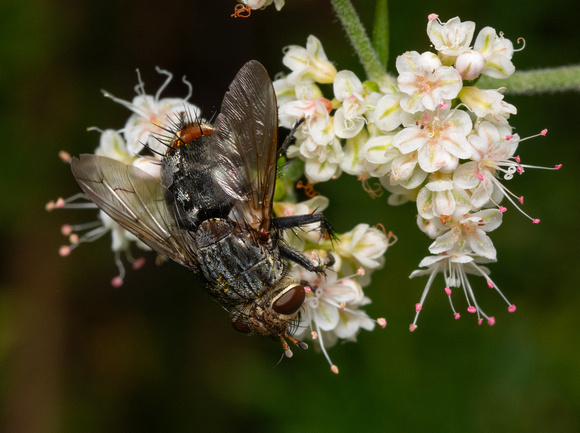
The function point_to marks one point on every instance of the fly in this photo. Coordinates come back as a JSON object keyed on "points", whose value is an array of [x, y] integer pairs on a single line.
{"points": [[212, 209]]}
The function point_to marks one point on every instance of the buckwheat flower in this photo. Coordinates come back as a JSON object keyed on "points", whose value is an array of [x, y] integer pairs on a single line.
{"points": [[455, 265], [451, 38], [332, 311], [112, 145], [493, 155], [485, 102], [470, 64], [424, 82], [150, 114], [377, 155], [308, 63], [322, 161], [351, 162], [363, 246], [387, 113], [468, 233], [348, 119], [405, 172], [440, 196], [315, 109], [497, 51], [260, 4], [439, 137]]}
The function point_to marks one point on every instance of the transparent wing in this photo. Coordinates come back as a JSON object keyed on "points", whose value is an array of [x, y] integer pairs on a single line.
{"points": [[244, 145], [135, 200]]}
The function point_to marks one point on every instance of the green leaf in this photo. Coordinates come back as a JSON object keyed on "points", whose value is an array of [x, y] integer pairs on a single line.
{"points": [[381, 31]]}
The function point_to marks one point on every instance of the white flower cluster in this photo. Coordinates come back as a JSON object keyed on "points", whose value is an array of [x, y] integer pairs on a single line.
{"points": [[332, 309], [138, 144], [433, 137]]}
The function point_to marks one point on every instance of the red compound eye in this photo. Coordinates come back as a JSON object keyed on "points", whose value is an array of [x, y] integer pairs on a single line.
{"points": [[290, 301]]}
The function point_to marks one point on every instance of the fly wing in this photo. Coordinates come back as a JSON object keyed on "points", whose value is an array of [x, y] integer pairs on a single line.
{"points": [[244, 145], [135, 200]]}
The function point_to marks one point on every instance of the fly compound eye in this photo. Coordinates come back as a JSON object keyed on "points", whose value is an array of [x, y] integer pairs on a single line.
{"points": [[242, 327], [290, 301]]}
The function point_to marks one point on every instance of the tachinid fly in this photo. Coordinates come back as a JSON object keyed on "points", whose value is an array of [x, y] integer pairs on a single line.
{"points": [[212, 210]]}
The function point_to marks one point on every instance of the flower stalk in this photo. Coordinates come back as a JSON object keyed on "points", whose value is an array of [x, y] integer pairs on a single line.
{"points": [[359, 40], [549, 80]]}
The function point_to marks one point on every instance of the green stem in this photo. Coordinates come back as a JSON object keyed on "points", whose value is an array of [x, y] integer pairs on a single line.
{"points": [[552, 80], [359, 39]]}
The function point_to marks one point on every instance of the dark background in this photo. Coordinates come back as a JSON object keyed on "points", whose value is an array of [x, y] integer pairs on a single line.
{"points": [[158, 355]]}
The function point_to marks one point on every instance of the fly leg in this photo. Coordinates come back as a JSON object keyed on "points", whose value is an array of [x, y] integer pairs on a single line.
{"points": [[297, 221], [296, 257]]}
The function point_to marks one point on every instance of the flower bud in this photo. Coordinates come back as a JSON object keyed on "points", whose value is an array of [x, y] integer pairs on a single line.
{"points": [[470, 64]]}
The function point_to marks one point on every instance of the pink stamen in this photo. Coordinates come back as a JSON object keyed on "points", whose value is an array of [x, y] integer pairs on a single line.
{"points": [[448, 291], [518, 159], [334, 369], [558, 166], [288, 212], [502, 209], [307, 289], [64, 251], [509, 137], [443, 105], [521, 199], [480, 177], [536, 221], [74, 238], [432, 17], [342, 305], [117, 282], [491, 321], [59, 202], [457, 316], [520, 169], [50, 206], [544, 132], [382, 322], [360, 272], [479, 321], [490, 284], [412, 327], [65, 156], [314, 335], [418, 307], [66, 229], [512, 308], [138, 264], [471, 309]]}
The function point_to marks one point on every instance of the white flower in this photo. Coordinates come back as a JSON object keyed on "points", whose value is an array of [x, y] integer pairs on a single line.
{"points": [[308, 63], [424, 82], [363, 246], [497, 51], [455, 265], [470, 64], [387, 113], [259, 4], [451, 38], [150, 114], [486, 102], [112, 145], [440, 138], [440, 196], [351, 162], [493, 154], [468, 235], [322, 160], [377, 155], [405, 171], [348, 119]]}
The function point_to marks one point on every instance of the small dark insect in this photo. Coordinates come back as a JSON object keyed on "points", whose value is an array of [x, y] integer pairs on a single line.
{"points": [[212, 210]]}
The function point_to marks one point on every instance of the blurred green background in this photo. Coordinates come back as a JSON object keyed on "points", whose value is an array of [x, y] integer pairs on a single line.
{"points": [[158, 355]]}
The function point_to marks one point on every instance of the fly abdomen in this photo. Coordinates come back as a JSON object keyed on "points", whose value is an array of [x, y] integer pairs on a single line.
{"points": [[238, 270]]}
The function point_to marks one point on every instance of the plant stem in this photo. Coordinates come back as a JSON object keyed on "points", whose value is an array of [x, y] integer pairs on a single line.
{"points": [[359, 39], [552, 80]]}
